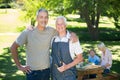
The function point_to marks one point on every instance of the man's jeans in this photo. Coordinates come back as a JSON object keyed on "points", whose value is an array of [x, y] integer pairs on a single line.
{"points": [[39, 75]]}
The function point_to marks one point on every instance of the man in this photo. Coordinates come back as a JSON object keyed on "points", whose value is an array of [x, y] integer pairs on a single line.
{"points": [[37, 49], [65, 54], [37, 43]]}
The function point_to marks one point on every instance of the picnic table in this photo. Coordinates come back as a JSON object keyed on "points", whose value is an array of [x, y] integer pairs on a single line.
{"points": [[90, 69]]}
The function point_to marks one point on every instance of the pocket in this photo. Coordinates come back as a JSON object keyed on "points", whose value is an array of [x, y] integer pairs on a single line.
{"points": [[31, 75]]}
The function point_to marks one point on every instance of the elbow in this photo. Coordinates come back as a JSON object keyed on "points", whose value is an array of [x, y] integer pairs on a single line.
{"points": [[13, 47], [81, 59]]}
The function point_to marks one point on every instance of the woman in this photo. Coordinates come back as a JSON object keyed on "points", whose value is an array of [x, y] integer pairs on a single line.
{"points": [[65, 54], [106, 57]]}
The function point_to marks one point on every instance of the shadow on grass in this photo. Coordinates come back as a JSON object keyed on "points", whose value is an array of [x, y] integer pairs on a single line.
{"points": [[8, 70], [76, 20], [105, 34], [115, 66]]}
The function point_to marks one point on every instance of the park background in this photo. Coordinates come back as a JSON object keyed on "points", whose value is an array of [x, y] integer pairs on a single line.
{"points": [[92, 20]]}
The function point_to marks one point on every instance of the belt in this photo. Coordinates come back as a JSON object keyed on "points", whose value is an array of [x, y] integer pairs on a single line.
{"points": [[42, 69]]}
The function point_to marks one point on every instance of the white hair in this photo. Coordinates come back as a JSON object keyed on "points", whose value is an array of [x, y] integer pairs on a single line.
{"points": [[101, 45], [62, 17]]}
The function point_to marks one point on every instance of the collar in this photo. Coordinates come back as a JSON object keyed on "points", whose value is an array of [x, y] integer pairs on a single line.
{"points": [[63, 39]]}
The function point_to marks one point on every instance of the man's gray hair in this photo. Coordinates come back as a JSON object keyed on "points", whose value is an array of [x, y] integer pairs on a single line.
{"points": [[62, 17], [41, 10]]}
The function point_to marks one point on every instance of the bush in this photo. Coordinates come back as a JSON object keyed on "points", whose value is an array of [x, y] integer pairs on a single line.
{"points": [[20, 29], [5, 6]]}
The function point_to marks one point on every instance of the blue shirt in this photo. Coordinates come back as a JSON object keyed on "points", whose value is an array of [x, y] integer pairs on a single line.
{"points": [[95, 59]]}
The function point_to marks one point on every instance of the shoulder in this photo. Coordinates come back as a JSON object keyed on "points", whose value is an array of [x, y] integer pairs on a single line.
{"points": [[50, 28], [108, 52], [89, 56], [97, 56], [24, 32]]}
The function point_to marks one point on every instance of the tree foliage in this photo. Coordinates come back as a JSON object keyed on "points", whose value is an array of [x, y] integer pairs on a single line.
{"points": [[113, 11], [89, 10], [30, 7]]}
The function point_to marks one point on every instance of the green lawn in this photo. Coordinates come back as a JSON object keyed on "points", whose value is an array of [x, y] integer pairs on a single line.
{"points": [[8, 70], [10, 20]]}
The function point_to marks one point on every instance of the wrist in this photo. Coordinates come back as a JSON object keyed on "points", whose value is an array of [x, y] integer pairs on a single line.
{"points": [[19, 66], [66, 67]]}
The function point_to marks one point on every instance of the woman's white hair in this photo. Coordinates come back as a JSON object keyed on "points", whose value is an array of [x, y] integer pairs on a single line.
{"points": [[101, 45], [62, 17]]}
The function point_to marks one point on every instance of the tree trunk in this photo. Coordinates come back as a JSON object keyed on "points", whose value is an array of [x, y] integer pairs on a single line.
{"points": [[93, 32], [92, 25]]}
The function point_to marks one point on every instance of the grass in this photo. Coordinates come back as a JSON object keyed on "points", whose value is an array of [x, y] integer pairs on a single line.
{"points": [[8, 70], [10, 20]]}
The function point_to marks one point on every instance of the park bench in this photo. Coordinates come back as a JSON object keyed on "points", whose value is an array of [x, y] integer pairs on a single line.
{"points": [[110, 76]]}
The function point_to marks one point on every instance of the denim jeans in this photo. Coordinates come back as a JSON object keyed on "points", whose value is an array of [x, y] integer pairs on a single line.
{"points": [[39, 75], [106, 71]]}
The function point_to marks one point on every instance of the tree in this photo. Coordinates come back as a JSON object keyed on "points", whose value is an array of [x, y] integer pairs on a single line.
{"points": [[30, 8], [113, 11], [89, 9]]}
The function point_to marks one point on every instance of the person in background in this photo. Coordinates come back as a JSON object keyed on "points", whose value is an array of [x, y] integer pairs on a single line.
{"points": [[65, 54], [93, 58], [106, 57]]}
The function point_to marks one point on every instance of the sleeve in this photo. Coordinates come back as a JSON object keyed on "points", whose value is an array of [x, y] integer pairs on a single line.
{"points": [[78, 48], [22, 38], [110, 58], [98, 59]]}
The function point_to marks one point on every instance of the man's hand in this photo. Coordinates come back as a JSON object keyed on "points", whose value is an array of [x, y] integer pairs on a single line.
{"points": [[74, 37], [24, 69], [30, 27], [62, 68]]}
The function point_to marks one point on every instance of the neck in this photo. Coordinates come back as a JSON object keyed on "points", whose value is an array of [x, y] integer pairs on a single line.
{"points": [[104, 51], [62, 34], [41, 28], [92, 56]]}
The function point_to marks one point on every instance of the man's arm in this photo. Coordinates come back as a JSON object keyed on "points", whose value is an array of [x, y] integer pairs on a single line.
{"points": [[74, 38], [77, 60], [14, 54]]}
